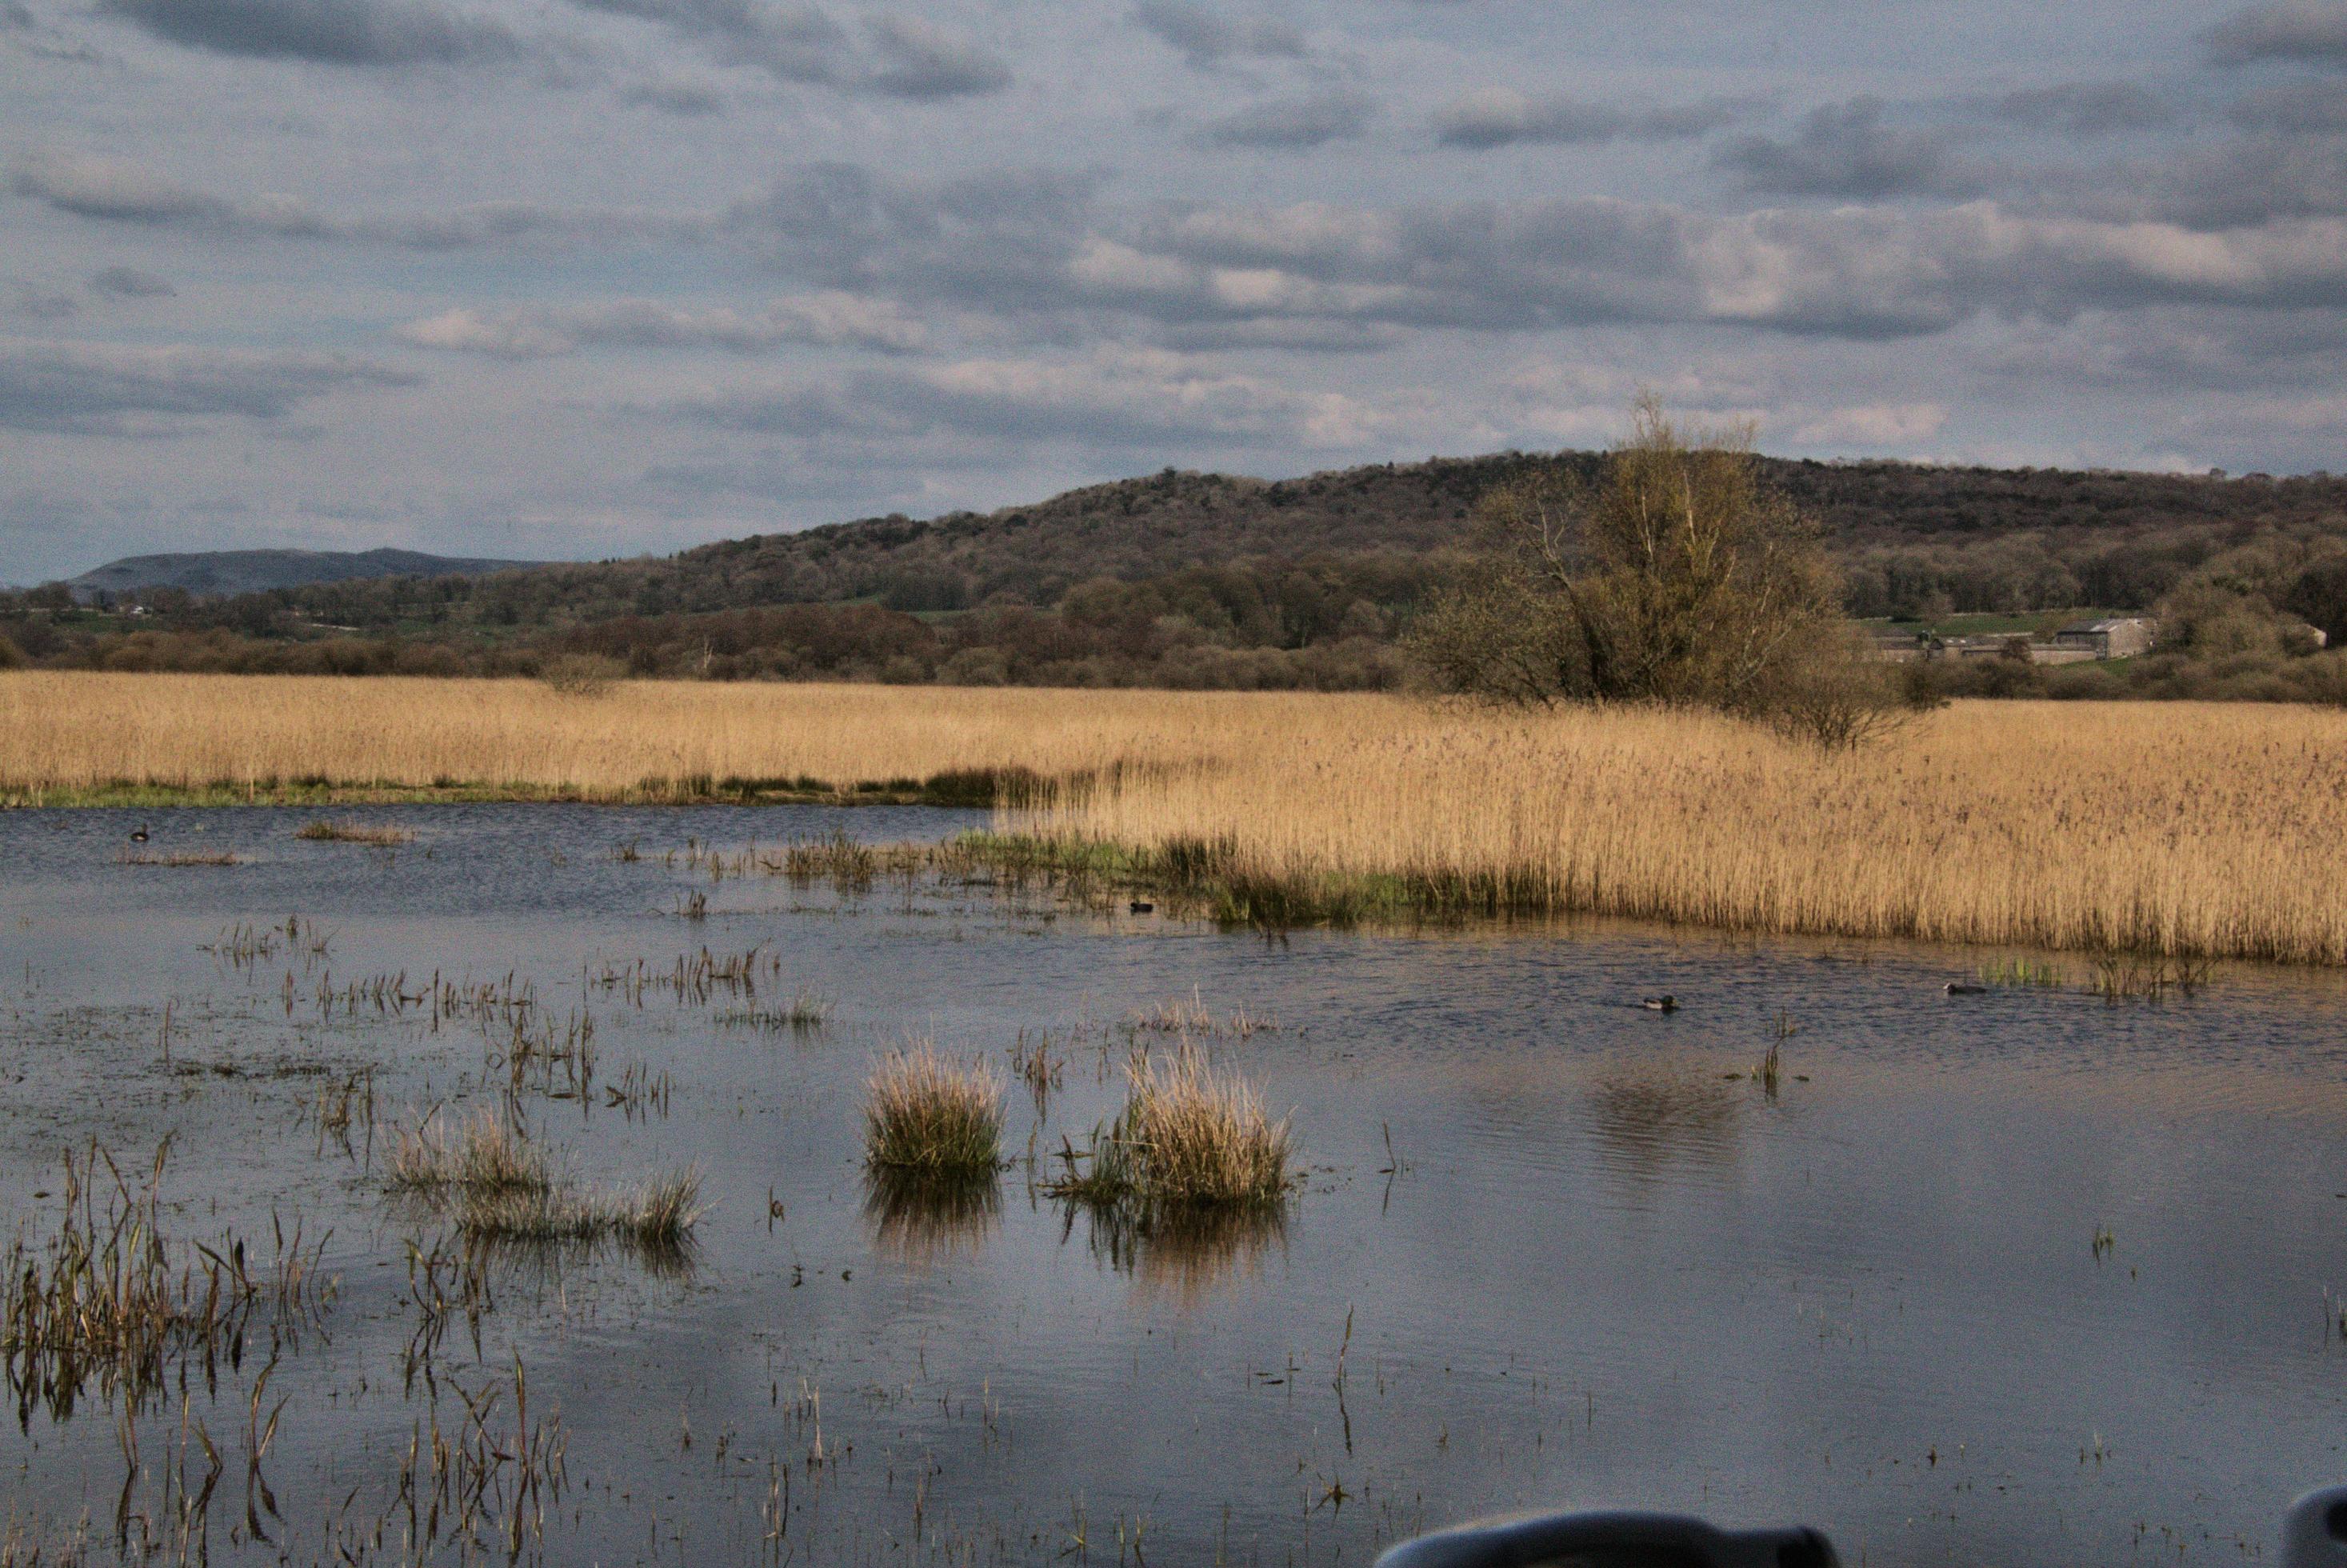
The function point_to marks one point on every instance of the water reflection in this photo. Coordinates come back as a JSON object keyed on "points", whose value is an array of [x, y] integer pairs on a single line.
{"points": [[1185, 1254], [1647, 1119], [925, 1217]]}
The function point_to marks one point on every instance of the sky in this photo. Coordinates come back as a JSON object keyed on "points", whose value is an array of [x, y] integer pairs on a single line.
{"points": [[574, 278]]}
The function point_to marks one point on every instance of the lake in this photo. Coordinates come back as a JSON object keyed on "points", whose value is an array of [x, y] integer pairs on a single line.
{"points": [[2016, 1277]]}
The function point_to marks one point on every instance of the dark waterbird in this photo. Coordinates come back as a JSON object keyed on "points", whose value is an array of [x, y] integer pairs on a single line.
{"points": [[1666, 1003], [139, 834], [1965, 988], [1142, 907]]}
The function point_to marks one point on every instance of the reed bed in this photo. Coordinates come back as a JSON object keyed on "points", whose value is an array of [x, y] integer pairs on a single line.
{"points": [[2177, 830], [926, 1115], [70, 735], [2203, 830]]}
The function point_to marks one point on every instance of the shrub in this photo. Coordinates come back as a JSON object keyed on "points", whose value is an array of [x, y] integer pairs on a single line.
{"points": [[582, 674]]}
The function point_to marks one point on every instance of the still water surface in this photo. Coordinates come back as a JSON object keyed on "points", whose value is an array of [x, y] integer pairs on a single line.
{"points": [[1585, 1256]]}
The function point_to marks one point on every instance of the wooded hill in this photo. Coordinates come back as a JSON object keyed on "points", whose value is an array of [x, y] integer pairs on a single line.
{"points": [[1191, 579]]}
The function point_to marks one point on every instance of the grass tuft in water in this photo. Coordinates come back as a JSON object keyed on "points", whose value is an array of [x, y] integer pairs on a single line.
{"points": [[1190, 1137], [658, 1214], [485, 1156], [326, 830], [925, 1113]]}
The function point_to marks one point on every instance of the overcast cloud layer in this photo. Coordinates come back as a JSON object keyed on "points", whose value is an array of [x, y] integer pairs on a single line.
{"points": [[581, 278]]}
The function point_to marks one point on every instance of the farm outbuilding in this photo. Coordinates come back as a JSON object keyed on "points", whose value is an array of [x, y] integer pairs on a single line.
{"points": [[2120, 636]]}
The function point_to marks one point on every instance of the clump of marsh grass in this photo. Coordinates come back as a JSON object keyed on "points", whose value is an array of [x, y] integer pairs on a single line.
{"points": [[657, 1215], [485, 1156], [805, 1011], [1190, 1138], [344, 830], [923, 1113]]}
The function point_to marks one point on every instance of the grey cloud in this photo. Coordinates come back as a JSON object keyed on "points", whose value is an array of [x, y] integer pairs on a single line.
{"points": [[1846, 150], [906, 57], [2300, 108], [1496, 116], [1295, 124], [110, 190], [75, 390], [129, 284], [44, 304], [2086, 108], [1308, 334], [676, 97], [1543, 265], [2217, 348], [999, 240], [1207, 39], [2314, 31], [829, 318], [13, 16], [1041, 250], [918, 60], [1109, 399], [364, 32], [113, 191], [799, 42], [2252, 181]]}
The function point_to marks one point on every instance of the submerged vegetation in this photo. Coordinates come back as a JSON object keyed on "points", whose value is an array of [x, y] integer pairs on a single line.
{"points": [[926, 1115], [109, 1298]]}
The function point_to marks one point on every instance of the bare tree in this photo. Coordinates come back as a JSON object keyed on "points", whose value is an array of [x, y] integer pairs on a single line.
{"points": [[1674, 578]]}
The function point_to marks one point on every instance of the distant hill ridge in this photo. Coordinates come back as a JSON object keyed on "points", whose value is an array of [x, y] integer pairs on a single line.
{"points": [[231, 572], [1181, 520]]}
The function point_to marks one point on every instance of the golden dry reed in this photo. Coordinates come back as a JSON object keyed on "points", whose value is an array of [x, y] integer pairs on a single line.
{"points": [[67, 731], [2179, 828]]}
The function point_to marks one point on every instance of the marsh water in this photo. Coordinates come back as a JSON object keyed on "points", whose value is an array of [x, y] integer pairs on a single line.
{"points": [[2014, 1277]]}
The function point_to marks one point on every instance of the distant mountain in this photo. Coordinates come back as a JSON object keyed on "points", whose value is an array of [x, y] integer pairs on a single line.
{"points": [[227, 572]]}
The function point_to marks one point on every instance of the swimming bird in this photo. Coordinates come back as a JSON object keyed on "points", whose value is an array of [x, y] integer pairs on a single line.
{"points": [[1965, 988], [139, 834], [1660, 1004], [1142, 906]]}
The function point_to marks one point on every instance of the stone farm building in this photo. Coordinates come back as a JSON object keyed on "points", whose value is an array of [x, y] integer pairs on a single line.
{"points": [[2120, 636]]}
